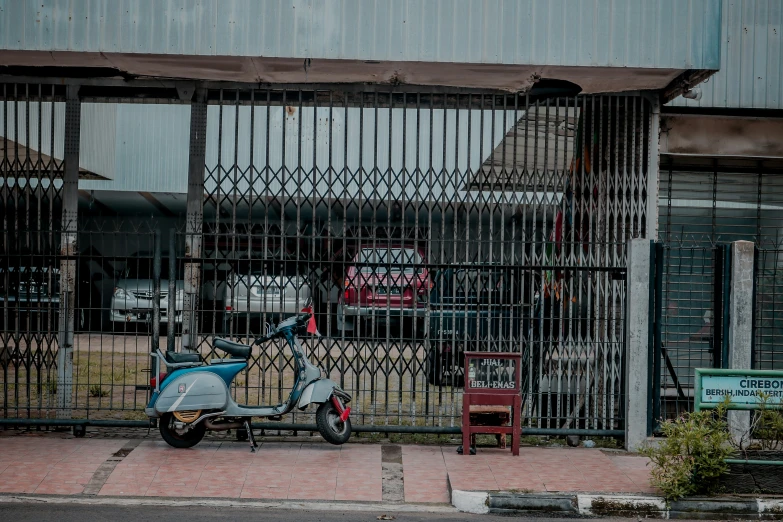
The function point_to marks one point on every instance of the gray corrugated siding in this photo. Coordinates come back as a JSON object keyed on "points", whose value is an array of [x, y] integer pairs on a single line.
{"points": [[751, 70], [152, 146], [98, 124], [680, 34], [150, 149]]}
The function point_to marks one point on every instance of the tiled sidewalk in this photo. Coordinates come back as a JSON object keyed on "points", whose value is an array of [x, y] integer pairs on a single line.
{"points": [[306, 471], [49, 465], [548, 469], [229, 470]]}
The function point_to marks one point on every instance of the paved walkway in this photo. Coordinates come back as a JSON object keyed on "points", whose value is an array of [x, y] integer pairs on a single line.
{"points": [[303, 471]]}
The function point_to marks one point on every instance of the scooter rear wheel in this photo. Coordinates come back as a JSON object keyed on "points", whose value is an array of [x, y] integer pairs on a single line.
{"points": [[331, 428], [177, 440]]}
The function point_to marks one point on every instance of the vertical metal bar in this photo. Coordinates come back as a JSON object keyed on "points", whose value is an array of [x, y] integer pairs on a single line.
{"points": [[724, 344], [194, 219], [171, 311], [717, 309], [654, 361], [68, 249], [756, 330], [156, 262]]}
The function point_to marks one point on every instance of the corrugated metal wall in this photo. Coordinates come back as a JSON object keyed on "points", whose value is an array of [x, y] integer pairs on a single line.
{"points": [[751, 70], [150, 153], [149, 148], [680, 34], [98, 125], [309, 148]]}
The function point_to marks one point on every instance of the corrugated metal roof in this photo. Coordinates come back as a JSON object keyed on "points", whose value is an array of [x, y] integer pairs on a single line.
{"points": [[678, 34], [751, 70]]}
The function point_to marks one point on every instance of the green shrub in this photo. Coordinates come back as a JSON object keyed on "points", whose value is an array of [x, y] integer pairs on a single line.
{"points": [[767, 428], [690, 459]]}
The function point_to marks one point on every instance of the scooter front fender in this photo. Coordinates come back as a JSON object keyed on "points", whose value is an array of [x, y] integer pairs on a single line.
{"points": [[318, 392]]}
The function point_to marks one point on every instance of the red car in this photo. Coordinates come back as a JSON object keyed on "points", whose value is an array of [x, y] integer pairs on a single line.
{"points": [[384, 282]]}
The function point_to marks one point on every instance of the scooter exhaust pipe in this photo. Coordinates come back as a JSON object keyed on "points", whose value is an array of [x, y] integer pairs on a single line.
{"points": [[220, 426]]}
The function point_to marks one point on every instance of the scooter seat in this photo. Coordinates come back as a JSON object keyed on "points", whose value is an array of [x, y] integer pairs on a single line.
{"points": [[177, 358], [232, 348]]}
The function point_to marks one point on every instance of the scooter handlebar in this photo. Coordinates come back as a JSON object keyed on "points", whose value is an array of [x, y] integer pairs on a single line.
{"points": [[301, 320]]}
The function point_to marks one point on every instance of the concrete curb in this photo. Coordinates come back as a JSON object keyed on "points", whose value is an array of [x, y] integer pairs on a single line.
{"points": [[307, 505], [617, 505]]}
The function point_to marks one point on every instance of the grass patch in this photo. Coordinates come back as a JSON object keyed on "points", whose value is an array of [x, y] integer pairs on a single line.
{"points": [[97, 391]]}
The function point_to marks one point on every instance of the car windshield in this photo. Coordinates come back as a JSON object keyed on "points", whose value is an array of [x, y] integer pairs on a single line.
{"points": [[405, 259]]}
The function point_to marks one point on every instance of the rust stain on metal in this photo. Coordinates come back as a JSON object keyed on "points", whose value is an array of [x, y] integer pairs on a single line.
{"points": [[289, 110]]}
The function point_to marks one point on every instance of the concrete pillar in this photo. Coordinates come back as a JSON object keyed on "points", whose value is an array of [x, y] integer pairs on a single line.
{"points": [[740, 324], [637, 333], [68, 250]]}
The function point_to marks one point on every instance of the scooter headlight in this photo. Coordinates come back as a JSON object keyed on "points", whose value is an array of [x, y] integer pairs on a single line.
{"points": [[120, 293]]}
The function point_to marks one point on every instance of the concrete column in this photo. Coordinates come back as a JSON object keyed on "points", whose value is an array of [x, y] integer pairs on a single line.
{"points": [[637, 333], [194, 219], [740, 324], [68, 250]]}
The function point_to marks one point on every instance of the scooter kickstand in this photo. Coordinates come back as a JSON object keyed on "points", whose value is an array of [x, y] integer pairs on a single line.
{"points": [[250, 437]]}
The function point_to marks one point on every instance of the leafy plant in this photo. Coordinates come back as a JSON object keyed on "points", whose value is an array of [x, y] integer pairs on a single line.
{"points": [[97, 391], [690, 459], [767, 426]]}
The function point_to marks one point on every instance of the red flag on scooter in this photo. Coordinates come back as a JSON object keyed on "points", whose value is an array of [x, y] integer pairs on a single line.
{"points": [[312, 327]]}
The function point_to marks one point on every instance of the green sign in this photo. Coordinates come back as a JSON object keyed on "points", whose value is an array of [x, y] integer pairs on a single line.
{"points": [[745, 388]]}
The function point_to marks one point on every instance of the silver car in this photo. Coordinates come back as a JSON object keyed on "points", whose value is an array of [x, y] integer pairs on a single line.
{"points": [[30, 290], [133, 297], [265, 292]]}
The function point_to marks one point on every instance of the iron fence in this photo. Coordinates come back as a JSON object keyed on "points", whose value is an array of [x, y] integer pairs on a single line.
{"points": [[424, 225], [690, 332], [421, 225], [768, 322], [704, 206]]}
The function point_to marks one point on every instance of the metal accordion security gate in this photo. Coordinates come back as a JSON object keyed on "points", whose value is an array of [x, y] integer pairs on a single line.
{"points": [[33, 292], [422, 225]]}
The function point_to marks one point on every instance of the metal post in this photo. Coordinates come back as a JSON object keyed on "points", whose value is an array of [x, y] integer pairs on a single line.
{"points": [[171, 309], [637, 331], [194, 218], [740, 331], [156, 255], [653, 162], [68, 251]]}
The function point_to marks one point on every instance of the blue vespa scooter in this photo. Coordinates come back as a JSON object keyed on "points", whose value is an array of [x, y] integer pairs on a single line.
{"points": [[195, 397]]}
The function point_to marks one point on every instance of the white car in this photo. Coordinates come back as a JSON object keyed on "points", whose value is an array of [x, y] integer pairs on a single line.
{"points": [[134, 295], [272, 294]]}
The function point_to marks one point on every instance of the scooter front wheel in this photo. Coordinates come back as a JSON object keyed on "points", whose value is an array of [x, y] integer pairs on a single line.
{"points": [[331, 428], [187, 439]]}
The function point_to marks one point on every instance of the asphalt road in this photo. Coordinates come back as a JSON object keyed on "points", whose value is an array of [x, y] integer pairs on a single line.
{"points": [[79, 513]]}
